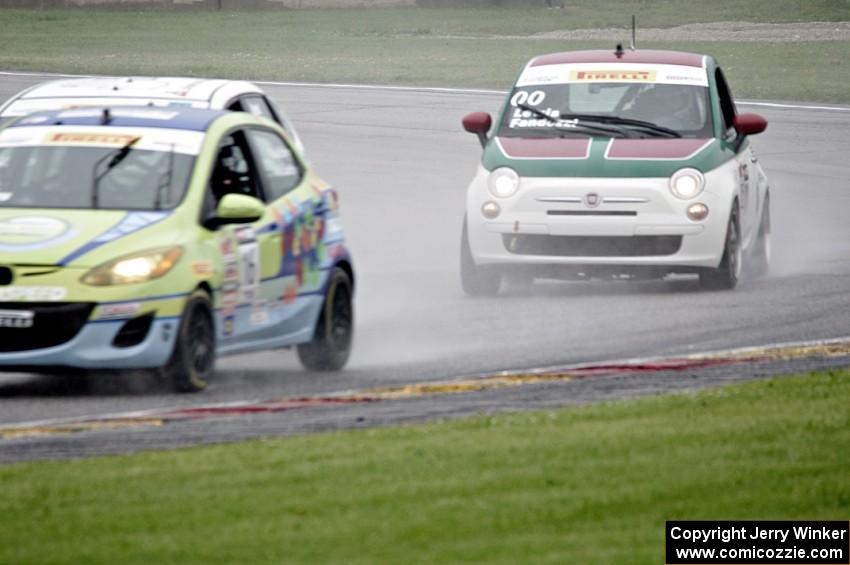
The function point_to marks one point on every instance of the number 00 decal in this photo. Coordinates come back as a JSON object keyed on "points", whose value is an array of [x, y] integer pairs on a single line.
{"points": [[534, 98]]}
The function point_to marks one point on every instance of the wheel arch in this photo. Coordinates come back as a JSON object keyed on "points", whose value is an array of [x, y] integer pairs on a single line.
{"points": [[207, 288], [346, 266]]}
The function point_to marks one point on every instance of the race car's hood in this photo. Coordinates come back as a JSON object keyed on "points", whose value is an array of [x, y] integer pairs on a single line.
{"points": [[603, 156], [62, 237]]}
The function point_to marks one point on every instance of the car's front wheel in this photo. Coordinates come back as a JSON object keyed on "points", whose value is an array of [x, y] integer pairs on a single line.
{"points": [[193, 360], [331, 343], [726, 275], [475, 280]]}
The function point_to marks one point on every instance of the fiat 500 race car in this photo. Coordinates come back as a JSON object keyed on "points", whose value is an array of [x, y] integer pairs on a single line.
{"points": [[141, 238], [616, 163], [213, 94]]}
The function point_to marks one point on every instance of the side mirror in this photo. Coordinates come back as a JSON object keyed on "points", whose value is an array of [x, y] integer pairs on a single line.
{"points": [[478, 123], [236, 209], [749, 124]]}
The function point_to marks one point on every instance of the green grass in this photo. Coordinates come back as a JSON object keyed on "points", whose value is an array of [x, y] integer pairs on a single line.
{"points": [[449, 47], [587, 485]]}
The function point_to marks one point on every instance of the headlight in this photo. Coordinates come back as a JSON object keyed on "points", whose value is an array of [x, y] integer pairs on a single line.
{"points": [[136, 268], [503, 182], [687, 183]]}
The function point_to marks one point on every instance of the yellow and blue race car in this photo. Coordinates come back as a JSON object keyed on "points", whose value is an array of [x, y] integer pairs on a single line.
{"points": [[159, 238]]}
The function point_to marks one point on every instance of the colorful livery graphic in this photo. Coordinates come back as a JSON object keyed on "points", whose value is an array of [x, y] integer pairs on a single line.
{"points": [[616, 164], [158, 238]]}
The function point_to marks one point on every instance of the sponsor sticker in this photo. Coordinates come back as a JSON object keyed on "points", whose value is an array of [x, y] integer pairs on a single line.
{"points": [[146, 138], [16, 319], [83, 138], [28, 229], [587, 73], [613, 76], [117, 311], [249, 263], [32, 293], [260, 313], [202, 270], [229, 286]]}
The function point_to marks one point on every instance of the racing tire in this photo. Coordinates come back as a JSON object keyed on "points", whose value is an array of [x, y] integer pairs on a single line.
{"points": [[475, 280], [193, 360], [726, 275], [759, 264], [331, 344]]}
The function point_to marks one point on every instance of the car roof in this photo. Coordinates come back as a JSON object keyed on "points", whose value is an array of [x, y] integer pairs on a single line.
{"points": [[185, 88], [641, 56], [172, 118]]}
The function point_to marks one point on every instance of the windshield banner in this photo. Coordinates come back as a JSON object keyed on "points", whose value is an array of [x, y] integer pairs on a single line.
{"points": [[152, 139], [612, 72]]}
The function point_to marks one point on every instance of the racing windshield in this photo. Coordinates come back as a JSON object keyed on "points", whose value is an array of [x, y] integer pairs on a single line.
{"points": [[619, 101], [82, 171]]}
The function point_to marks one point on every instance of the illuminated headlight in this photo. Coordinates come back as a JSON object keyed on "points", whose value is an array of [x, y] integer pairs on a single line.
{"points": [[687, 183], [503, 182], [136, 268]]}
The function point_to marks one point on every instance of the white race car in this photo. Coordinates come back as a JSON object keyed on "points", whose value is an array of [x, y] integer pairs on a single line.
{"points": [[172, 92], [616, 163]]}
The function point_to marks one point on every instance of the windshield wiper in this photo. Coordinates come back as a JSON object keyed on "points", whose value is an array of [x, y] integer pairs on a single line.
{"points": [[577, 127], [655, 128], [165, 181], [115, 157]]}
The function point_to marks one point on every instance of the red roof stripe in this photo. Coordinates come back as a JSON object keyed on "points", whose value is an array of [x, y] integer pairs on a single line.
{"points": [[522, 148], [645, 56], [654, 148]]}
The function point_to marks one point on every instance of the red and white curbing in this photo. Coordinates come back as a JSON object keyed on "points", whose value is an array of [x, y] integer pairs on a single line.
{"points": [[837, 347]]}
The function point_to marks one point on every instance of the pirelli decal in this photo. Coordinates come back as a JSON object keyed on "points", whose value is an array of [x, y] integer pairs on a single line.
{"points": [[612, 76], [83, 138]]}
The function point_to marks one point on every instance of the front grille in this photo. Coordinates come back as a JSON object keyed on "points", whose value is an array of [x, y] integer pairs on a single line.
{"points": [[53, 323], [592, 246], [592, 213]]}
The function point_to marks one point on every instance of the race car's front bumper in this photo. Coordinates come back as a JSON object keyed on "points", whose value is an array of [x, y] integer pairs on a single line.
{"points": [[136, 343], [596, 224]]}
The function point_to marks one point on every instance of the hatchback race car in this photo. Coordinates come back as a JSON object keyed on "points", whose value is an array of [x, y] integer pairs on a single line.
{"points": [[616, 163], [214, 94], [157, 238]]}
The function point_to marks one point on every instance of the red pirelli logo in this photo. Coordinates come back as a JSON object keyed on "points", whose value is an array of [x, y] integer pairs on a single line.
{"points": [[93, 138], [625, 76]]}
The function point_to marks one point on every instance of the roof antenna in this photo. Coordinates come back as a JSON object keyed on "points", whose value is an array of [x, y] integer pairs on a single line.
{"points": [[633, 32]]}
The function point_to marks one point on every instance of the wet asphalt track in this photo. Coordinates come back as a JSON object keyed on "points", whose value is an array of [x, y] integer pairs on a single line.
{"points": [[401, 164]]}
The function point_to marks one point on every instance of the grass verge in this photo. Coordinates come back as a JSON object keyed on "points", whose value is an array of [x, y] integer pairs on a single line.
{"points": [[450, 47], [587, 485]]}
